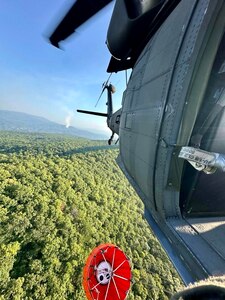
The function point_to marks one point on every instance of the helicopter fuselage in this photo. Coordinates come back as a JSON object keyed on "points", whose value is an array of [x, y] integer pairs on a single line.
{"points": [[165, 97]]}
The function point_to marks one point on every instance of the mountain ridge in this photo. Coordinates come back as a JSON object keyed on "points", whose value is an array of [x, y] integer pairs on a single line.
{"points": [[24, 122]]}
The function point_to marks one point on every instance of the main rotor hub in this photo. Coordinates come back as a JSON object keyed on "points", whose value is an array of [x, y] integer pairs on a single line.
{"points": [[112, 88], [104, 272]]}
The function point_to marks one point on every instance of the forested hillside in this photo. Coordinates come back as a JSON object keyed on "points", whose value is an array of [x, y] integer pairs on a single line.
{"points": [[59, 198]]}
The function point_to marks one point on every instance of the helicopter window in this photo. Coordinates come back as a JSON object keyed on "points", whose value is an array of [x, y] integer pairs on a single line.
{"points": [[202, 194]]}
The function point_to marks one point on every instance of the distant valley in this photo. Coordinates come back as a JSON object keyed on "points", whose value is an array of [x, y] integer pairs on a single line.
{"points": [[22, 122]]}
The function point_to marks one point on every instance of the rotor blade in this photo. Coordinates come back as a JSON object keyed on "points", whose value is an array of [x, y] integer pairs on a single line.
{"points": [[100, 96], [80, 12], [104, 87], [107, 80], [92, 113]]}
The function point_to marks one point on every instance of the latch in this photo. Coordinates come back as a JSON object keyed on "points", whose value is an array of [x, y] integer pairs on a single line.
{"points": [[202, 160]]}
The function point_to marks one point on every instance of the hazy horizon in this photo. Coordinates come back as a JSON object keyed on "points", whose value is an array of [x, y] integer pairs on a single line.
{"points": [[27, 123]]}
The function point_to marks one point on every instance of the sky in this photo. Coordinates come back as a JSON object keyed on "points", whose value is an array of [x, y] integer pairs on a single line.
{"points": [[39, 79]]}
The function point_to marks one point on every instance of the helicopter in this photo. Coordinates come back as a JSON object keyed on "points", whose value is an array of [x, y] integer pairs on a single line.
{"points": [[113, 119], [171, 125]]}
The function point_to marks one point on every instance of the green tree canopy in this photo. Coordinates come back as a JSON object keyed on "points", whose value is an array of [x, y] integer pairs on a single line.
{"points": [[59, 198]]}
